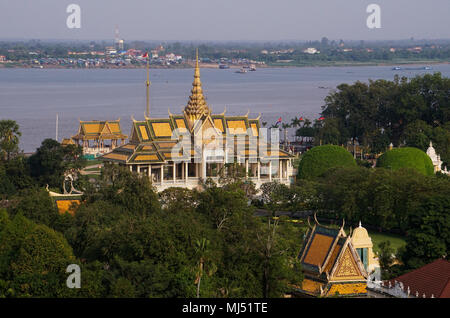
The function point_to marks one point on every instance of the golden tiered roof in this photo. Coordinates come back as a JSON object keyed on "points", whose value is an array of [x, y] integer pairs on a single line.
{"points": [[99, 129], [196, 106], [152, 140]]}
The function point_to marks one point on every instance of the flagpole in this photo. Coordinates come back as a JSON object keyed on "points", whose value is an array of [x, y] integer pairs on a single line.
{"points": [[148, 86], [56, 127]]}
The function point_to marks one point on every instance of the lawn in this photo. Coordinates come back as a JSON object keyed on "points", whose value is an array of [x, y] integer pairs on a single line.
{"points": [[397, 241]]}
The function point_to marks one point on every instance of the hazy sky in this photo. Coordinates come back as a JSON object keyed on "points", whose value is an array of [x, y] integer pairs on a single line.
{"points": [[225, 19]]}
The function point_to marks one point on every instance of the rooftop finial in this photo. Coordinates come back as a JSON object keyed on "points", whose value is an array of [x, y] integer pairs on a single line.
{"points": [[196, 106], [360, 223]]}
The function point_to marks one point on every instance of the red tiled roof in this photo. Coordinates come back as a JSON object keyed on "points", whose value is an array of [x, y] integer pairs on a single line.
{"points": [[431, 279]]}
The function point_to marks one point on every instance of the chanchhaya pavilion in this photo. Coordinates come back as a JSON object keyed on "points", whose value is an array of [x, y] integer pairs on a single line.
{"points": [[184, 149]]}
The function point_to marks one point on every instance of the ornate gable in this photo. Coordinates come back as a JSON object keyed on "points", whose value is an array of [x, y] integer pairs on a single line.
{"points": [[347, 267]]}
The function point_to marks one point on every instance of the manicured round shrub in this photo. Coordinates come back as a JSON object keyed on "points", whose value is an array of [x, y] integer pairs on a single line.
{"points": [[319, 159], [407, 157]]}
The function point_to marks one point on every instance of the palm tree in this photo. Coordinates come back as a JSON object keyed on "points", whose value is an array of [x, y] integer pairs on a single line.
{"points": [[295, 122], [200, 247], [307, 123], [9, 138], [285, 127]]}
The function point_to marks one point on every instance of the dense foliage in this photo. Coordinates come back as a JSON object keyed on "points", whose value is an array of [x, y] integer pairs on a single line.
{"points": [[319, 159], [132, 242], [407, 157], [404, 112]]}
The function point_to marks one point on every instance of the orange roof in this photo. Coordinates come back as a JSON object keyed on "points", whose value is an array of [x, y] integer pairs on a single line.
{"points": [[432, 279], [65, 205], [318, 249], [96, 128]]}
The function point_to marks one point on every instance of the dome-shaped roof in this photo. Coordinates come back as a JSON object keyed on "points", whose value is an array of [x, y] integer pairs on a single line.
{"points": [[359, 233], [361, 238]]}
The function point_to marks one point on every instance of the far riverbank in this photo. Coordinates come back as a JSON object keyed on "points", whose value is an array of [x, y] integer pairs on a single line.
{"points": [[287, 64]]}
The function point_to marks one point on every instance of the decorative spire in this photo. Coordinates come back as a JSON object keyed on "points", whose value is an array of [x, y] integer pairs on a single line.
{"points": [[196, 106]]}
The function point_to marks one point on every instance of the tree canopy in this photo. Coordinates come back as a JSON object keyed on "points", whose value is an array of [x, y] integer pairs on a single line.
{"points": [[407, 157], [319, 159], [404, 112]]}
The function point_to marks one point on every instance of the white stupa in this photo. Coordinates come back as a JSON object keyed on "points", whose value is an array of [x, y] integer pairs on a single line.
{"points": [[436, 159]]}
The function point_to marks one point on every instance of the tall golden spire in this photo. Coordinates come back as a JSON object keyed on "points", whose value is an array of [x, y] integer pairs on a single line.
{"points": [[196, 105]]}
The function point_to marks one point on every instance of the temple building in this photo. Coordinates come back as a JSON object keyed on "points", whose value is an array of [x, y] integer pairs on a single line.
{"points": [[181, 150], [331, 265], [436, 159], [362, 242], [99, 137]]}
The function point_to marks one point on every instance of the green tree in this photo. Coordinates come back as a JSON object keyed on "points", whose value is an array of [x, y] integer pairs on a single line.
{"points": [[386, 259], [9, 139], [429, 235], [407, 157], [52, 160], [36, 205], [33, 260], [319, 159]]}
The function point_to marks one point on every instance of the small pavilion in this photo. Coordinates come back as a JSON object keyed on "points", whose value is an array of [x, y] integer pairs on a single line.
{"points": [[331, 265], [99, 137]]}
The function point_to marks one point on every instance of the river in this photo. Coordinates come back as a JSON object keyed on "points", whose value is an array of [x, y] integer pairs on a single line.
{"points": [[33, 97]]}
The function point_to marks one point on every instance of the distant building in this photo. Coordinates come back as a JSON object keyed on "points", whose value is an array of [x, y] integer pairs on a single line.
{"points": [[416, 49], [311, 50], [94, 136], [2, 58], [109, 50], [134, 52], [154, 54]]}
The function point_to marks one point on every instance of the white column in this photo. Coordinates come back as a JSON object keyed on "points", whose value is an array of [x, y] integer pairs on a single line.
{"points": [[270, 170], [174, 172], [149, 172], [131, 168], [246, 168], [203, 165], [162, 174], [138, 169], [186, 171]]}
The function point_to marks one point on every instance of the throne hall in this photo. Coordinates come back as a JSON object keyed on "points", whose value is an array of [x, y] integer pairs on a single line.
{"points": [[182, 150]]}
